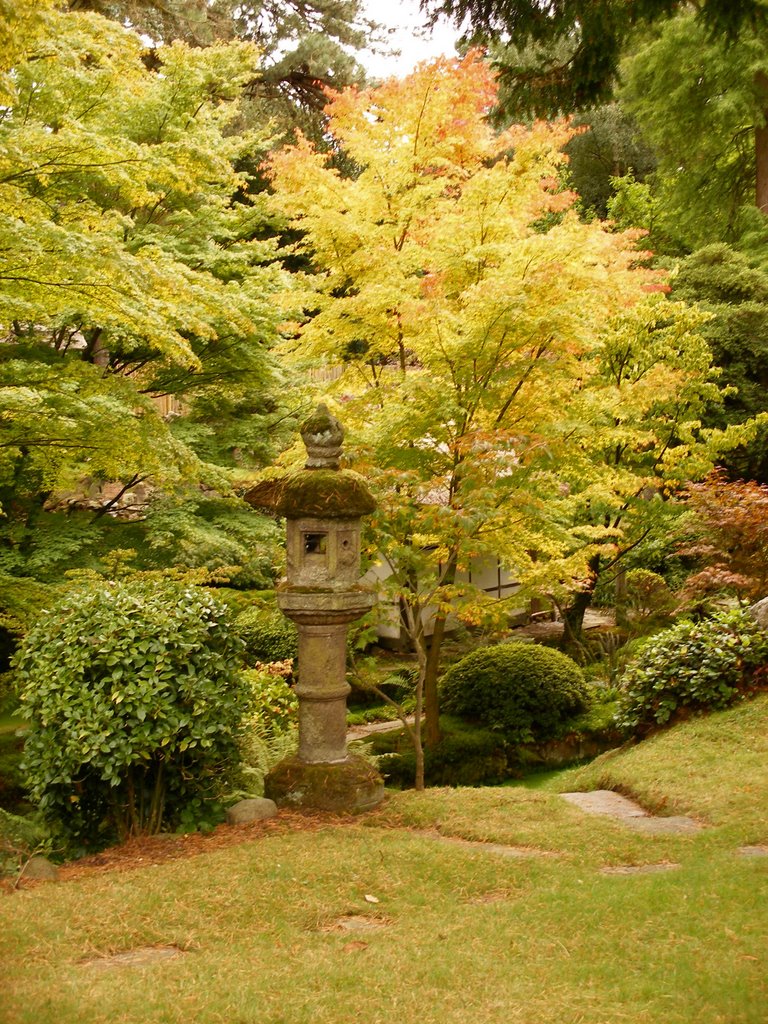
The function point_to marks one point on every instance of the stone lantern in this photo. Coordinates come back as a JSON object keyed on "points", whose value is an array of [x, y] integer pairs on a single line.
{"points": [[322, 594]]}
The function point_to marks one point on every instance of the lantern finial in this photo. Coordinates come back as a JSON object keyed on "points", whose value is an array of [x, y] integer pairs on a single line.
{"points": [[323, 436]]}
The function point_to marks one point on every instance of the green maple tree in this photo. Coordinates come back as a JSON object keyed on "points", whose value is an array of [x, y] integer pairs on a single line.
{"points": [[135, 267], [469, 315]]}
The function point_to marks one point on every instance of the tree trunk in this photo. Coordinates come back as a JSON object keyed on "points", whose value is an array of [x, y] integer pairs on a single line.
{"points": [[431, 700], [432, 671], [573, 616], [761, 146], [415, 628], [620, 593]]}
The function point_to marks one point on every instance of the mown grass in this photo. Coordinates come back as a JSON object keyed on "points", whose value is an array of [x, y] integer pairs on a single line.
{"points": [[464, 934]]}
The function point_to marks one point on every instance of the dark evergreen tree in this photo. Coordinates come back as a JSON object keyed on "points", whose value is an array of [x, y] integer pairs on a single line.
{"points": [[565, 54], [722, 282]]}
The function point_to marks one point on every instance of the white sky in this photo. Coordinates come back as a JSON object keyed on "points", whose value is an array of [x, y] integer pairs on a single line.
{"points": [[409, 37]]}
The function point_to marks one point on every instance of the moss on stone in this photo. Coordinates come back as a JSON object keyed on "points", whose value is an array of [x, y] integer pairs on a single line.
{"points": [[318, 493], [349, 786]]}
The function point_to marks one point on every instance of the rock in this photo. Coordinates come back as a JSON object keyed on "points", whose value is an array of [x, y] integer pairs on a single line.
{"points": [[256, 809], [346, 787], [605, 801], [759, 612], [40, 869]]}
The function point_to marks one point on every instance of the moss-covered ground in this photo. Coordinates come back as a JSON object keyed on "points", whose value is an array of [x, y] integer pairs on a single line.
{"points": [[378, 919]]}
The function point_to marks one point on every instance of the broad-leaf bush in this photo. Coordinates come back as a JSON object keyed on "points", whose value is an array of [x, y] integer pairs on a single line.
{"points": [[466, 755], [136, 698], [698, 666], [526, 691], [267, 635], [274, 704]]}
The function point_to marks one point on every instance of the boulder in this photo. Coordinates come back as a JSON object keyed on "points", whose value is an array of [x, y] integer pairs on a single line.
{"points": [[256, 809], [759, 612], [40, 869]]}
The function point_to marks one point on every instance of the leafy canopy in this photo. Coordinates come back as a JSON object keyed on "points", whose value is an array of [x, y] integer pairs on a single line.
{"points": [[135, 269], [565, 55], [699, 102], [459, 299]]}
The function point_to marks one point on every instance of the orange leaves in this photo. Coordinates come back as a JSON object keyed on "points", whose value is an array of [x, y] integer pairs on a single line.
{"points": [[434, 118]]}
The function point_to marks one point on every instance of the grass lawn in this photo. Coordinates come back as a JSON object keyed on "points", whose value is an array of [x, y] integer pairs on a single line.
{"points": [[460, 933]]}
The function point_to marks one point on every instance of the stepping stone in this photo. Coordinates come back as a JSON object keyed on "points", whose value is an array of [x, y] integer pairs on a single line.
{"points": [[498, 848], [140, 957], [614, 805], [753, 851], [355, 923], [637, 869]]}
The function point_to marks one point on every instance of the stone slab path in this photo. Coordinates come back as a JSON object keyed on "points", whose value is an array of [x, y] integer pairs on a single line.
{"points": [[614, 805], [474, 844]]}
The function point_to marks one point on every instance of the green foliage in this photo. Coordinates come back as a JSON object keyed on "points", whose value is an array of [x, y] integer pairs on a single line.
{"points": [[565, 55], [694, 666], [274, 705], [20, 839], [523, 690], [607, 148], [12, 781], [698, 101], [211, 531], [648, 601], [135, 698], [631, 204], [266, 635], [137, 303], [465, 756], [260, 752], [735, 294]]}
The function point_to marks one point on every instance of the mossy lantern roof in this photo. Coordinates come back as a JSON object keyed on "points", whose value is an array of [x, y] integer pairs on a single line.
{"points": [[320, 490]]}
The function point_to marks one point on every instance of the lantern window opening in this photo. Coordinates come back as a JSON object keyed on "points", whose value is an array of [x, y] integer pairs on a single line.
{"points": [[315, 543]]}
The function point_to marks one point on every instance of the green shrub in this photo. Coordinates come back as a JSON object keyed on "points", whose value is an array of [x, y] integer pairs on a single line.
{"points": [[274, 704], [700, 666], [465, 756], [526, 691], [135, 697], [267, 635], [20, 838], [12, 792], [649, 603]]}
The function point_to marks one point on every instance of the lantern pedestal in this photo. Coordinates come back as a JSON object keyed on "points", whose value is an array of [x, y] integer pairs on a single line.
{"points": [[347, 787], [322, 594]]}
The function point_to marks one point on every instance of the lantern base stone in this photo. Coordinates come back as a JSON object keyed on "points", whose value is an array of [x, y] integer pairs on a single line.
{"points": [[346, 787]]}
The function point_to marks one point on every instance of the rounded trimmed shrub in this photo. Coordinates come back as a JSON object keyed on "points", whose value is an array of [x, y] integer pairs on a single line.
{"points": [[699, 666], [526, 691], [136, 697], [267, 635]]}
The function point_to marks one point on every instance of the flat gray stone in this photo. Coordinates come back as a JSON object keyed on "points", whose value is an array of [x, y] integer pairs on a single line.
{"points": [[500, 849], [359, 923], [614, 805], [258, 808], [675, 825], [637, 869], [40, 869], [140, 957], [605, 801]]}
